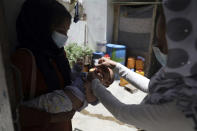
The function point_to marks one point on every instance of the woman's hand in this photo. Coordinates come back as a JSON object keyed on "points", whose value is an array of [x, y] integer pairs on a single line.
{"points": [[78, 65], [107, 62]]}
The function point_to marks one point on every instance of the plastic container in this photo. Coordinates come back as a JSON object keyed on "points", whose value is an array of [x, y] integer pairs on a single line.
{"points": [[131, 63], [85, 68], [123, 82], [116, 52], [107, 56], [96, 57], [141, 58], [139, 64], [140, 72]]}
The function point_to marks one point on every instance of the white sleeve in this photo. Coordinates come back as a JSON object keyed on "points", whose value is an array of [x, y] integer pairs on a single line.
{"points": [[143, 116], [136, 79]]}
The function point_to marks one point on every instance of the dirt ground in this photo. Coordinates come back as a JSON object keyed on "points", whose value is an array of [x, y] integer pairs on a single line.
{"points": [[98, 118]]}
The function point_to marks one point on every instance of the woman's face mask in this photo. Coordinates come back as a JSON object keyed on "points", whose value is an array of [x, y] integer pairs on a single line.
{"points": [[59, 39], [161, 57]]}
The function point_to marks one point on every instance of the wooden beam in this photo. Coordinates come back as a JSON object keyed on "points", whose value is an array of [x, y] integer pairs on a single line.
{"points": [[149, 55], [116, 23], [137, 3]]}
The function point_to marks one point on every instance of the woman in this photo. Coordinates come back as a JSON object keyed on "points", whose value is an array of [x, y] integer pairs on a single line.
{"points": [[42, 27], [172, 93]]}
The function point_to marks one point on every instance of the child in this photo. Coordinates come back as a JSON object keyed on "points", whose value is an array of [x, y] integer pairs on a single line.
{"points": [[73, 97]]}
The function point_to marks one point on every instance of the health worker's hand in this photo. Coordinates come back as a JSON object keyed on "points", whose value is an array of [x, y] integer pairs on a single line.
{"points": [[106, 62]]}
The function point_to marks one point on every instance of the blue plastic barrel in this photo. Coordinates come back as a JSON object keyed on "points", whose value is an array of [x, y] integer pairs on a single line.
{"points": [[97, 55], [116, 52]]}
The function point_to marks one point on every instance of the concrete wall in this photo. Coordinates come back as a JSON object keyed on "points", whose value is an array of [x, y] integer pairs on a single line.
{"points": [[96, 11], [12, 8], [110, 21], [99, 23], [5, 112], [76, 33]]}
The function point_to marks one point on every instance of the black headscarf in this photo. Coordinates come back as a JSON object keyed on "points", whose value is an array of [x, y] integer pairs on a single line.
{"points": [[34, 32]]}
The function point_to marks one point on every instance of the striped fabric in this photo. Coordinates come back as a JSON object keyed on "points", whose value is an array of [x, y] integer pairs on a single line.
{"points": [[135, 29]]}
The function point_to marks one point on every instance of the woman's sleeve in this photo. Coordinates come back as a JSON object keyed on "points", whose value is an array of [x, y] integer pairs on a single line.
{"points": [[143, 116], [137, 80]]}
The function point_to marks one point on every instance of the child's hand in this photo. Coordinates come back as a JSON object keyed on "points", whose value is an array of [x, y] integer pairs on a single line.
{"points": [[90, 97], [91, 76], [105, 75]]}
